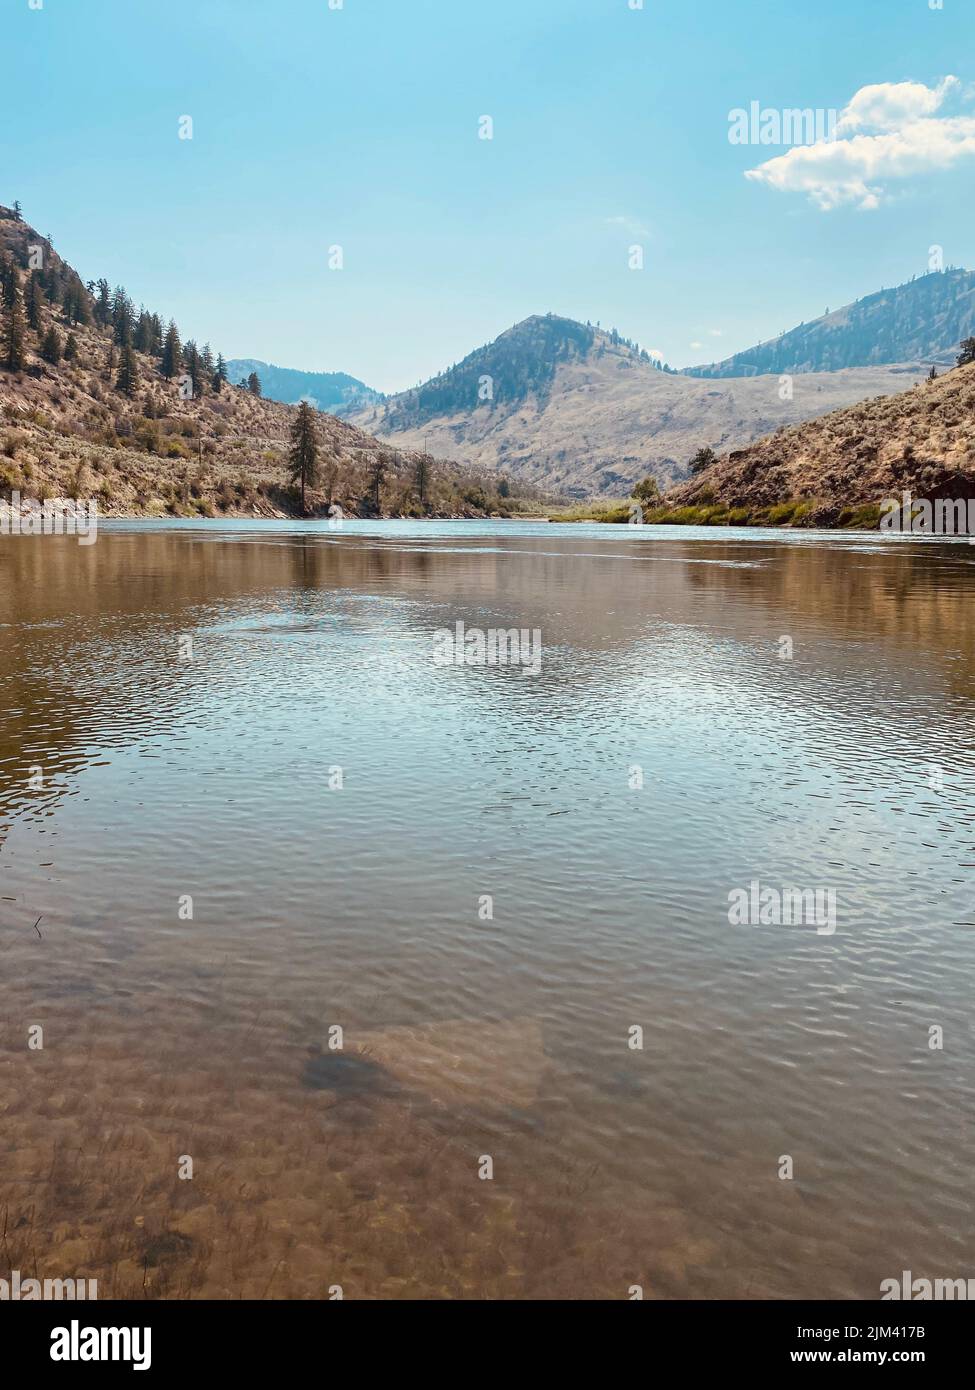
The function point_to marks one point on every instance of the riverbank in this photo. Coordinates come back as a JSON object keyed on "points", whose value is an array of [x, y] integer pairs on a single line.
{"points": [[812, 513]]}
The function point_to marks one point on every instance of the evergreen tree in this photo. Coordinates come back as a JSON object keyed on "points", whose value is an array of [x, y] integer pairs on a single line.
{"points": [[206, 361], [103, 303], [172, 356], [71, 349], [933, 374], [967, 353], [51, 346], [254, 384], [18, 215], [303, 457], [76, 308], [194, 366], [122, 317], [379, 469], [128, 373], [142, 337], [14, 330], [33, 302], [423, 478], [220, 374], [8, 276], [703, 459]]}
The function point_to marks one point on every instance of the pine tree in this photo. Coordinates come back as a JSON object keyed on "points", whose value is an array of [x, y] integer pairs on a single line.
{"points": [[33, 302], [122, 317], [128, 373], [967, 354], [18, 214], [423, 478], [8, 276], [51, 346], [193, 365], [254, 384], [378, 478], [220, 374], [703, 459], [76, 308], [71, 349], [142, 337], [172, 356], [103, 303], [303, 458], [14, 329]]}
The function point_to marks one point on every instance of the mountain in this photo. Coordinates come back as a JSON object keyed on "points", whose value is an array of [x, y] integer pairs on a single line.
{"points": [[336, 392], [922, 440], [576, 409], [922, 321], [92, 408]]}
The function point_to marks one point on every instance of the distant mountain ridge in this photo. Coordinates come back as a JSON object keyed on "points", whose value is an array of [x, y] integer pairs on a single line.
{"points": [[577, 409], [519, 363], [335, 392], [923, 320]]}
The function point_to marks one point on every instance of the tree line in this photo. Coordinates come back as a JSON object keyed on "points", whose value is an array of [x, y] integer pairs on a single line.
{"points": [[27, 289]]}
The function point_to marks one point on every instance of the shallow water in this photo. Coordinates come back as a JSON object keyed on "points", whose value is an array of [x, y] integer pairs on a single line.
{"points": [[850, 767]]}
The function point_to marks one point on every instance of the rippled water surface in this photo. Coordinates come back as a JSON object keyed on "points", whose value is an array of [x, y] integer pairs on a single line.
{"points": [[337, 806]]}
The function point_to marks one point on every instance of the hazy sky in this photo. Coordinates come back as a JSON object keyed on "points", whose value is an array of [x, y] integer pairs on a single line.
{"points": [[359, 126]]}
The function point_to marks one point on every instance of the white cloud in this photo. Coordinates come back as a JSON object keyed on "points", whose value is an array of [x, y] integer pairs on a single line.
{"points": [[892, 105], [891, 132]]}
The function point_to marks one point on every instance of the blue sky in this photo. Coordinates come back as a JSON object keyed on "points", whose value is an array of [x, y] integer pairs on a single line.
{"points": [[358, 127]]}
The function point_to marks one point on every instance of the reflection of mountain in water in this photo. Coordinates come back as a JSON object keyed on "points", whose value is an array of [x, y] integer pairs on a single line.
{"points": [[89, 650]]}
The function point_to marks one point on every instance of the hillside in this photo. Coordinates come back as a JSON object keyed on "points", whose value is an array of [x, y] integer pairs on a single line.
{"points": [[336, 392], [576, 409], [922, 321], [922, 440], [93, 406]]}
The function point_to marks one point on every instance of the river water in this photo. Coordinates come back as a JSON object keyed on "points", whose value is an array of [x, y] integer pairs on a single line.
{"points": [[250, 808]]}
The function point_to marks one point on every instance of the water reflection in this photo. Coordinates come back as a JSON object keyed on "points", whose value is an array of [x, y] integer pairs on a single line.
{"points": [[336, 806]]}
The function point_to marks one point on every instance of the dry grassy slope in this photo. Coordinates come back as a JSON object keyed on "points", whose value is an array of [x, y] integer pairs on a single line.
{"points": [[610, 419], [922, 440], [67, 431]]}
